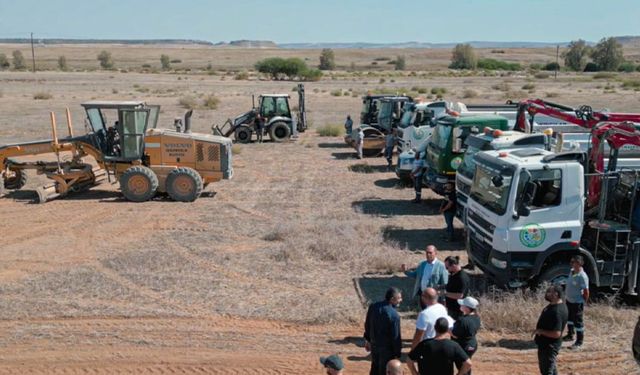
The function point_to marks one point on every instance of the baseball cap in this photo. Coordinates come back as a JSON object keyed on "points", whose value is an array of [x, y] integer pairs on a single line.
{"points": [[333, 361], [470, 302]]}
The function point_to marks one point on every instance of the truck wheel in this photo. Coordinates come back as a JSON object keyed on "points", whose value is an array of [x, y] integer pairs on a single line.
{"points": [[138, 183], [184, 184], [17, 181], [243, 134], [279, 132], [556, 275]]}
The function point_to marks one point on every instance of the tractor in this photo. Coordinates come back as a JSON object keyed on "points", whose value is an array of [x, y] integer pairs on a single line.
{"points": [[128, 147], [280, 122]]}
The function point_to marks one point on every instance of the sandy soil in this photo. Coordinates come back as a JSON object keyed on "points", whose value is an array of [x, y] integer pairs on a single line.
{"points": [[256, 277]]}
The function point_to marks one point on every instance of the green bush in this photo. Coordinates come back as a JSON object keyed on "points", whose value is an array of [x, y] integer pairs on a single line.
{"points": [[290, 68], [242, 76], [336, 93], [62, 63], [631, 84], [175, 61], [542, 75], [4, 62], [19, 62], [165, 62], [552, 66], [327, 59], [529, 87], [627, 67], [438, 91], [469, 93], [493, 64], [106, 61], [591, 67], [330, 130], [463, 56], [501, 87]]}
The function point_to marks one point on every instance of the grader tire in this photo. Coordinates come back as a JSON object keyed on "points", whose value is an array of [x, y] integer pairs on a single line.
{"points": [[138, 183], [184, 184], [279, 132], [243, 134], [17, 181]]}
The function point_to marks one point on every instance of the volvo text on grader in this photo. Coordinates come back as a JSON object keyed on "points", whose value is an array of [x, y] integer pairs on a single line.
{"points": [[280, 122], [129, 147]]}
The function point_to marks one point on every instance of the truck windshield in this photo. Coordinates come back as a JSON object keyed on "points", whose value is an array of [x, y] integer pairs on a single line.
{"points": [[474, 145], [485, 191], [440, 136]]}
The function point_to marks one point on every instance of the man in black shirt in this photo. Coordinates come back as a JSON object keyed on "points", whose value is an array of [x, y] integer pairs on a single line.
{"points": [[438, 355], [382, 331], [457, 286], [448, 209], [548, 333]]}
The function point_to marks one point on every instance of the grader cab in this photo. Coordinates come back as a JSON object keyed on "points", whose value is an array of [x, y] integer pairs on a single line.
{"points": [[126, 144]]}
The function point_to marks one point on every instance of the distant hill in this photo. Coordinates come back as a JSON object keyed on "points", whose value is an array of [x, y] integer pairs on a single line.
{"points": [[476, 44], [249, 44], [104, 41]]}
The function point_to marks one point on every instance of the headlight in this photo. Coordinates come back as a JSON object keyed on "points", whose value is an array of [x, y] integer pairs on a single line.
{"points": [[502, 264]]}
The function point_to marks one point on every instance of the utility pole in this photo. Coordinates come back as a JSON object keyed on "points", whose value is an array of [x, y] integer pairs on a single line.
{"points": [[33, 54], [555, 76]]}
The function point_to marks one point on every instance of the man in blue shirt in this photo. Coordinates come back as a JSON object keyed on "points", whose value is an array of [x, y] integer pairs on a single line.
{"points": [[416, 174], [577, 294], [348, 125], [430, 273], [382, 331]]}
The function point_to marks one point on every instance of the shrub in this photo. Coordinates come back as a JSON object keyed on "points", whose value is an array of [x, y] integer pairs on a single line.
{"points": [[501, 87], [165, 62], [382, 59], [4, 62], [290, 68], [529, 87], [242, 76], [552, 94], [311, 75], [627, 67], [607, 54], [336, 93], [327, 59], [146, 66], [330, 130], [188, 102], [236, 149], [575, 57], [552, 66], [631, 84], [42, 96], [62, 63], [463, 56], [106, 61], [210, 102], [18, 60], [469, 93], [177, 61], [591, 67], [438, 91], [493, 64], [604, 75], [535, 66], [542, 75], [400, 63]]}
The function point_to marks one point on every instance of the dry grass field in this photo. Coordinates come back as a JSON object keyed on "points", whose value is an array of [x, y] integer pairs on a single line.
{"points": [[269, 270]]}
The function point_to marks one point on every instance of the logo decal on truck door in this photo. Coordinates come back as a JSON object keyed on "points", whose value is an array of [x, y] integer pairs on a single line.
{"points": [[532, 235]]}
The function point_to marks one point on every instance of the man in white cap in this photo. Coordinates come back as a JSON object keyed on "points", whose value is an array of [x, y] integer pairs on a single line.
{"points": [[465, 328]]}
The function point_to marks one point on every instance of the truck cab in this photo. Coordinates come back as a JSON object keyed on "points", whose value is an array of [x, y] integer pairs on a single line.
{"points": [[445, 149], [525, 207], [490, 139]]}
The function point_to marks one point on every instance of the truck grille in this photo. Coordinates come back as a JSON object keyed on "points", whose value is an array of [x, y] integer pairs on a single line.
{"points": [[199, 152], [463, 188], [476, 220], [479, 249], [214, 153]]}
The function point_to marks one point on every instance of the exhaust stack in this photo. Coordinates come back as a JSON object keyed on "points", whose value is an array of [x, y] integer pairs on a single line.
{"points": [[187, 121]]}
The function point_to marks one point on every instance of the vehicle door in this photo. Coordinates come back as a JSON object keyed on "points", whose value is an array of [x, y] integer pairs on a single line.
{"points": [[133, 124]]}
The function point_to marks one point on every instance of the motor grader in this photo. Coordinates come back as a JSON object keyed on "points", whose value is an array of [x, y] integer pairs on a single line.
{"points": [[129, 148]]}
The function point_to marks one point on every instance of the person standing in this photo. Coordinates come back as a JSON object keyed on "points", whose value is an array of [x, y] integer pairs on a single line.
{"points": [[416, 175], [427, 318], [438, 356], [457, 287], [389, 144], [467, 326], [382, 331], [548, 333], [360, 142], [259, 127], [577, 294], [430, 273], [333, 364], [348, 125], [448, 209]]}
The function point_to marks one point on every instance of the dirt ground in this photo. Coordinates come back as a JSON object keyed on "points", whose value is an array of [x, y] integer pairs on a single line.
{"points": [[262, 275]]}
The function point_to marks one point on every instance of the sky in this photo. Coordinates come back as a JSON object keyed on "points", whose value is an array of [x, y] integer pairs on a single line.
{"points": [[314, 21]]}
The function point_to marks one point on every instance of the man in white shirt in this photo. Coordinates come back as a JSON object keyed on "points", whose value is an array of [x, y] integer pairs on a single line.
{"points": [[427, 318]]}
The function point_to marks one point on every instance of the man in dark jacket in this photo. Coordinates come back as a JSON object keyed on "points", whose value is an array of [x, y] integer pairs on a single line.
{"points": [[382, 331], [548, 333]]}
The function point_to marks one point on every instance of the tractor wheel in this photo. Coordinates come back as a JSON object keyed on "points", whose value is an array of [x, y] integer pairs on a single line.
{"points": [[17, 181], [138, 183], [556, 275], [279, 132], [184, 184], [243, 134]]}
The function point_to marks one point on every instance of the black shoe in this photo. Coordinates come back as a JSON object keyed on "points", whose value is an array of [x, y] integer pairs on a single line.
{"points": [[568, 337]]}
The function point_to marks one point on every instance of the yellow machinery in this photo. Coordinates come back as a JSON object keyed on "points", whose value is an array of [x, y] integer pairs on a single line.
{"points": [[144, 159]]}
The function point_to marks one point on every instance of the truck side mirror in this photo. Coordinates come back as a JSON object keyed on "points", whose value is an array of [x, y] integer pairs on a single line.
{"points": [[496, 181], [529, 192], [523, 210]]}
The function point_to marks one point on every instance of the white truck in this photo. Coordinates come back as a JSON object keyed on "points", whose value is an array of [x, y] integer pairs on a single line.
{"points": [[530, 210]]}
